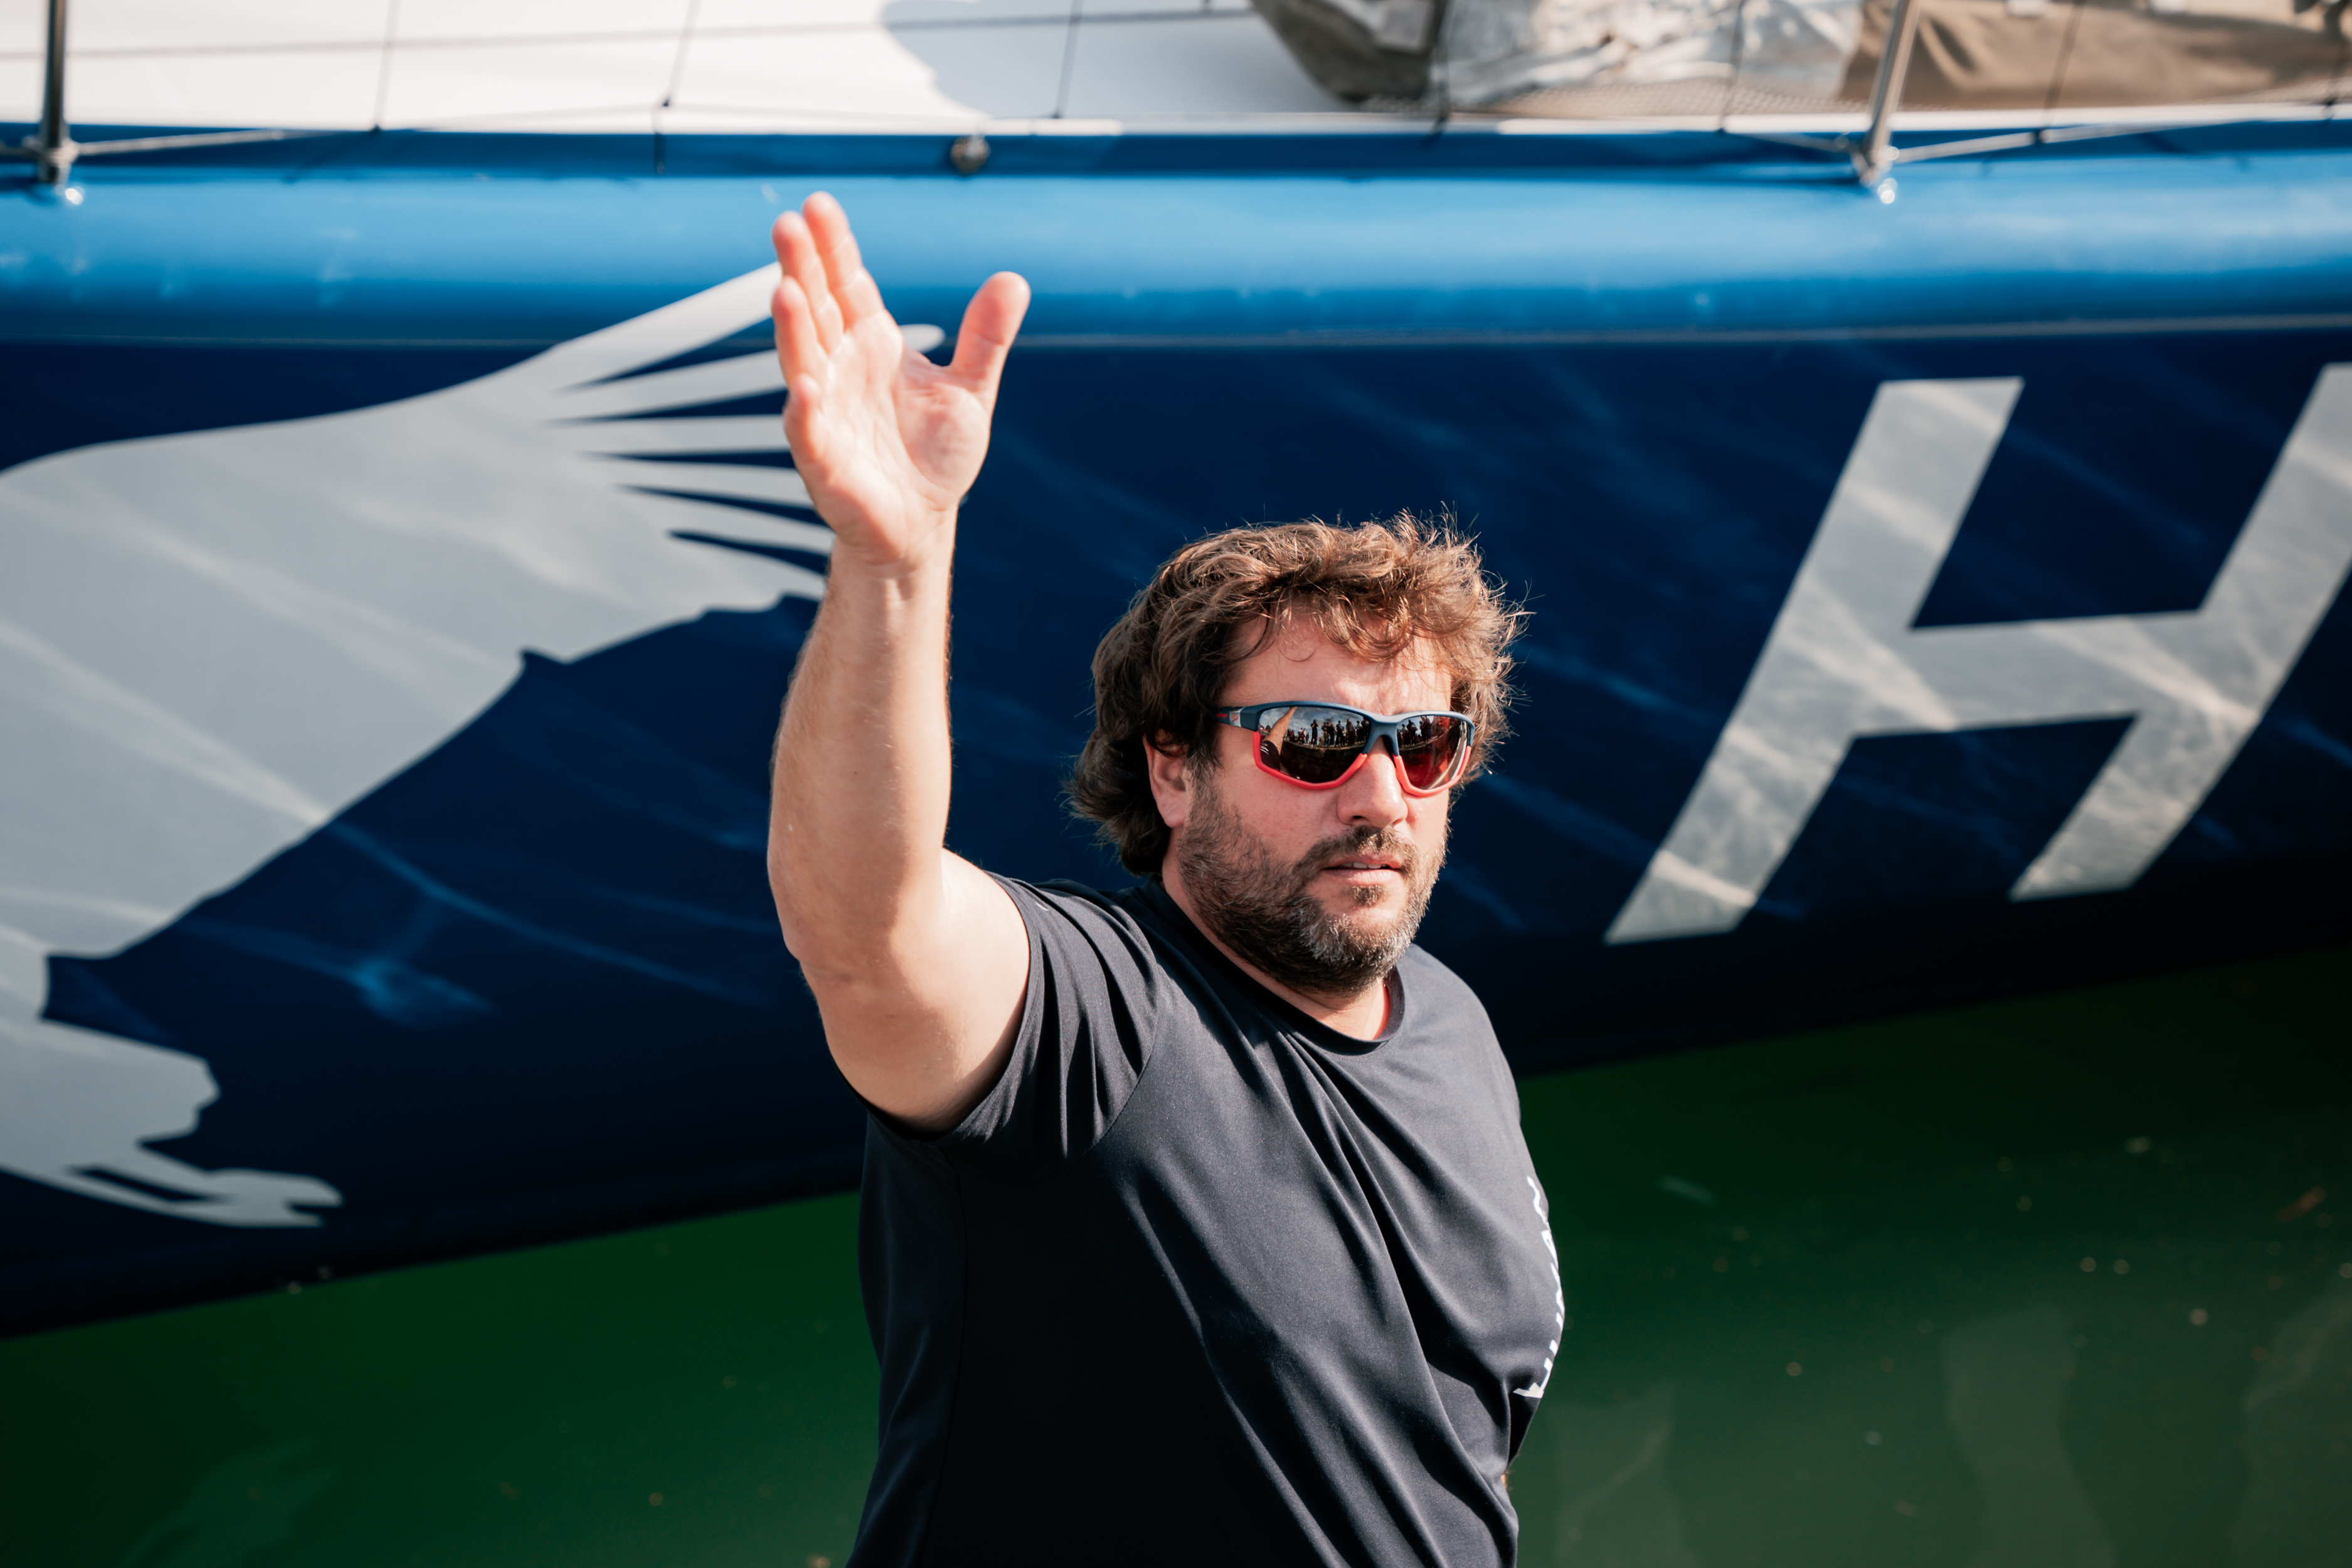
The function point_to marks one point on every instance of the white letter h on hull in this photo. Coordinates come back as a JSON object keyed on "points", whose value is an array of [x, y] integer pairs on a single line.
{"points": [[1844, 660]]}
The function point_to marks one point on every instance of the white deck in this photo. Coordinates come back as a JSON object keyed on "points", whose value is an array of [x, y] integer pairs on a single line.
{"points": [[645, 65]]}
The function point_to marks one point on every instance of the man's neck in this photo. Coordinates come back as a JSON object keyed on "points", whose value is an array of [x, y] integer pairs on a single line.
{"points": [[1360, 1017]]}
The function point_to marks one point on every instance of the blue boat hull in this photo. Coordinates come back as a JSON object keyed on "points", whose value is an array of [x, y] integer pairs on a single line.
{"points": [[528, 984]]}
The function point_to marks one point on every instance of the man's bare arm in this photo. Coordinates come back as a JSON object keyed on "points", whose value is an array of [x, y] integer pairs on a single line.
{"points": [[919, 962]]}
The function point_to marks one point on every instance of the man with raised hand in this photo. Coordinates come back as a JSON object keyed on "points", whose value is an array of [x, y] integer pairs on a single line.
{"points": [[1196, 1224]]}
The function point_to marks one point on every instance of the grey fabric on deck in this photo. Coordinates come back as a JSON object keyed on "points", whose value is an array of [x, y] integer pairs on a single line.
{"points": [[1602, 58], [1983, 53]]}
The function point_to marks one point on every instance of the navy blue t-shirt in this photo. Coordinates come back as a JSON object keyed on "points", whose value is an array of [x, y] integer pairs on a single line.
{"points": [[1202, 1281]]}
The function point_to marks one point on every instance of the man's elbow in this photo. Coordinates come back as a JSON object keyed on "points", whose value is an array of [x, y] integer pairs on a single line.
{"points": [[801, 906], [840, 931]]}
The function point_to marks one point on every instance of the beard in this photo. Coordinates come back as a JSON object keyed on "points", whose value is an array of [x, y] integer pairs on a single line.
{"points": [[1271, 916]]}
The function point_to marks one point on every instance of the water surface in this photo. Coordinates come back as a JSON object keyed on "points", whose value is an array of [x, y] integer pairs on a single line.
{"points": [[2054, 1281]]}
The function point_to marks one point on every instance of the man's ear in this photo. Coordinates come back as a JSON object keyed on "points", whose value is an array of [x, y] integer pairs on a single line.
{"points": [[1170, 763]]}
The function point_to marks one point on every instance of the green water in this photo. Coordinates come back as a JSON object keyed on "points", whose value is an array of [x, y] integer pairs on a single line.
{"points": [[2024, 1284]]}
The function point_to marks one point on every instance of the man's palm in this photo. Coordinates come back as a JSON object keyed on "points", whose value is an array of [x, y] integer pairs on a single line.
{"points": [[887, 441]]}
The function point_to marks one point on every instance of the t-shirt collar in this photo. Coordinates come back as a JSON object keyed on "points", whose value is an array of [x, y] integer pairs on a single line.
{"points": [[1180, 924]]}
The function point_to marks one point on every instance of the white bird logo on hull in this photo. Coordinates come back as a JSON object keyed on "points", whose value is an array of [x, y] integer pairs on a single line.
{"points": [[212, 643]]}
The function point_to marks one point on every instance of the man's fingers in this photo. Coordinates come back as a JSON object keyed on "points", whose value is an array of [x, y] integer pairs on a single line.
{"points": [[798, 252], [800, 349], [845, 269], [830, 225], [990, 324]]}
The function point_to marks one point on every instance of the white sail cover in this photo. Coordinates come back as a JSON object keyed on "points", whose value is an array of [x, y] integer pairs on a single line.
{"points": [[1605, 58]]}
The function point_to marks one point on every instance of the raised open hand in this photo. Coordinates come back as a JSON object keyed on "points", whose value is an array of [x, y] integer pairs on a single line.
{"points": [[887, 441]]}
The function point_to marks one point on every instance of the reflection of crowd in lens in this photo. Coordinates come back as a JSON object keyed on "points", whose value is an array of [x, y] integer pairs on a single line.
{"points": [[1338, 736]]}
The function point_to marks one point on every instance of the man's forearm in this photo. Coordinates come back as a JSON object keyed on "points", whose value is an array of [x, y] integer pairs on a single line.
{"points": [[859, 805], [916, 959]]}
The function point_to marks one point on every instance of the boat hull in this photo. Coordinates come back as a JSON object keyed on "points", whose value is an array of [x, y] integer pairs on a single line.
{"points": [[495, 963]]}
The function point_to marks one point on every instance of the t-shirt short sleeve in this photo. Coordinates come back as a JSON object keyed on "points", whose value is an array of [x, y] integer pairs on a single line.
{"points": [[1095, 996]]}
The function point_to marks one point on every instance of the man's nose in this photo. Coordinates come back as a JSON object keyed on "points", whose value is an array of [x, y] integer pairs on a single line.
{"points": [[1376, 796]]}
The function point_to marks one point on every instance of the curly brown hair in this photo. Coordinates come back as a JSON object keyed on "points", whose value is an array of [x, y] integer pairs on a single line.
{"points": [[1375, 589]]}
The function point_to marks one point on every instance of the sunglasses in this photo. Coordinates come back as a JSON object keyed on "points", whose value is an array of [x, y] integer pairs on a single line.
{"points": [[1322, 745]]}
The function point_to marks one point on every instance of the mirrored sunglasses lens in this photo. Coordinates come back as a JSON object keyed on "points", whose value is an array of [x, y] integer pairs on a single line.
{"points": [[1430, 745], [1313, 746]]}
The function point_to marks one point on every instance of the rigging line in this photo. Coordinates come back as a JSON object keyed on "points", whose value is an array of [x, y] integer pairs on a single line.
{"points": [[1738, 60], [383, 62], [1069, 58], [677, 61], [2343, 50], [669, 92], [1439, 68], [2065, 55]]}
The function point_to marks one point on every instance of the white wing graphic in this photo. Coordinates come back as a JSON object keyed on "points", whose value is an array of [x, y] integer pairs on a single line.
{"points": [[212, 643]]}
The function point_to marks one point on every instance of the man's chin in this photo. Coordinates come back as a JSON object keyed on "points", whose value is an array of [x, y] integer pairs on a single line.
{"points": [[1372, 910], [1368, 918]]}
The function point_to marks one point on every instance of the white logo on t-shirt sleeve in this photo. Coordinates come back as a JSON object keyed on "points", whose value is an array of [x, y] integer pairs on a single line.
{"points": [[1559, 1295]]}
